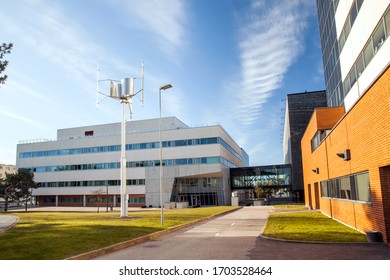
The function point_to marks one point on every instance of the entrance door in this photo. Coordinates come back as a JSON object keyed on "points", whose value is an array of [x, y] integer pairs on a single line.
{"points": [[195, 200]]}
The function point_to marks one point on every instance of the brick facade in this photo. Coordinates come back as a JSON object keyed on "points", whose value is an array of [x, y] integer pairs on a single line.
{"points": [[365, 131]]}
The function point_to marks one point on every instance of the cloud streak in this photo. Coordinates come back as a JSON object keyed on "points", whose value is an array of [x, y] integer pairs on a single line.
{"points": [[270, 41], [165, 19], [63, 42]]}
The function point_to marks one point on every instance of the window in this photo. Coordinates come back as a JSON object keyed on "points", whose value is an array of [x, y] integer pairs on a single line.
{"points": [[318, 138], [362, 185], [352, 77], [368, 53], [387, 23], [352, 187], [25, 155], [342, 40], [88, 133], [347, 27], [360, 66], [379, 36], [324, 189], [347, 84], [52, 153], [345, 188], [354, 13], [359, 4]]}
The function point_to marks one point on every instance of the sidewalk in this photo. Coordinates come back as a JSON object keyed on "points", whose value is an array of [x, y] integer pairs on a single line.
{"points": [[7, 221]]}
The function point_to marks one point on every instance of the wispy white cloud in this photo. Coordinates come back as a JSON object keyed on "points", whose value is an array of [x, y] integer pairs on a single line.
{"points": [[60, 40], [271, 38], [164, 19], [9, 114]]}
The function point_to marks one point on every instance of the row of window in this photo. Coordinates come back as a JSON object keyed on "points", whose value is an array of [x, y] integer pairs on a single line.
{"points": [[375, 42], [129, 147], [146, 163], [349, 22], [353, 187], [99, 183], [80, 200]]}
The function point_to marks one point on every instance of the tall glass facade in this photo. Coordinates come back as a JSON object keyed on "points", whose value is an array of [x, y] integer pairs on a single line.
{"points": [[330, 52]]}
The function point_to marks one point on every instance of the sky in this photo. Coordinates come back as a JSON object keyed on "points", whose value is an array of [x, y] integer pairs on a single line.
{"points": [[230, 62]]}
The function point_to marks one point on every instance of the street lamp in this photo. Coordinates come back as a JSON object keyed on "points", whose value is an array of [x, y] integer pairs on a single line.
{"points": [[164, 87]]}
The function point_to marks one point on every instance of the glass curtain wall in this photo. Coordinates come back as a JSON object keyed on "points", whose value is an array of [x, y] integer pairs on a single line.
{"points": [[205, 191]]}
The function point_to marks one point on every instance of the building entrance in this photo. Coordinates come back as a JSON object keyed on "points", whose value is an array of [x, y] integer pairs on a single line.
{"points": [[195, 200], [197, 191]]}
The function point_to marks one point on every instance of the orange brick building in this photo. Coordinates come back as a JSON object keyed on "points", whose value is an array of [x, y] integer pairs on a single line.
{"points": [[346, 160]]}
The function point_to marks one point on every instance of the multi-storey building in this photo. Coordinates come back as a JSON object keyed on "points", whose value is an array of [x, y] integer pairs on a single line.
{"points": [[83, 164], [346, 149], [299, 108], [6, 169]]}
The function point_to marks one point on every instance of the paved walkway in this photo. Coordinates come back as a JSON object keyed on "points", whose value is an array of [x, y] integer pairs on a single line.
{"points": [[7, 221], [237, 236]]}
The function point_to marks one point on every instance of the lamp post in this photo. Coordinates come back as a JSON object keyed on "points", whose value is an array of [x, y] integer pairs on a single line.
{"points": [[165, 87]]}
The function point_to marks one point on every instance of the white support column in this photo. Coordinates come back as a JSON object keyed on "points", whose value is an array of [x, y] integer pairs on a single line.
{"points": [[124, 196]]}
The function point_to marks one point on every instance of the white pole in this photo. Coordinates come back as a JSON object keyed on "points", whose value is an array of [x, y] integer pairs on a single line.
{"points": [[161, 167], [165, 87], [124, 199]]}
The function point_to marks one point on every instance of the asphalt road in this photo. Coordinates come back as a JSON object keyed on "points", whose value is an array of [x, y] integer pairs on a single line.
{"points": [[237, 236]]}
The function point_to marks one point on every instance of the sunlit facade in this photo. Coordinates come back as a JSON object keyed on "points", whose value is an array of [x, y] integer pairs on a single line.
{"points": [[82, 166], [345, 148]]}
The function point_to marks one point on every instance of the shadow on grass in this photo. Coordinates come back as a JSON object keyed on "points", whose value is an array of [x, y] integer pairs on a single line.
{"points": [[59, 241]]}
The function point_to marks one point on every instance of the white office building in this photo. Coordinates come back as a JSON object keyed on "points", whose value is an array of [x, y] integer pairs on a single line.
{"points": [[82, 166], [355, 48]]}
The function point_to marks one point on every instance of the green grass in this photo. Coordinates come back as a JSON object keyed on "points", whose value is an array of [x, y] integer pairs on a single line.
{"points": [[54, 235], [310, 226], [290, 207]]}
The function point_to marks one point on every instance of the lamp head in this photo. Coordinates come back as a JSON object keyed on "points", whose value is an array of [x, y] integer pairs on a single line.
{"points": [[164, 87]]}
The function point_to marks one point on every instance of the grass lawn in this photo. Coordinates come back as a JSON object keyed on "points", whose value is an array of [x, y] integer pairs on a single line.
{"points": [[310, 226], [55, 235]]}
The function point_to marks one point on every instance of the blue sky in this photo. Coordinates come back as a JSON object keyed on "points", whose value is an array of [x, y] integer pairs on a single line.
{"points": [[230, 62]]}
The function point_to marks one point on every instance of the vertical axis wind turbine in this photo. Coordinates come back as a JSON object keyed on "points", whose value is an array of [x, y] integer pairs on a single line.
{"points": [[124, 92]]}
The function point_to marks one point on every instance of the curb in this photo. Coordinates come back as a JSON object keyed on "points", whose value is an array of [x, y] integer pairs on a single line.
{"points": [[142, 239], [11, 225], [312, 242]]}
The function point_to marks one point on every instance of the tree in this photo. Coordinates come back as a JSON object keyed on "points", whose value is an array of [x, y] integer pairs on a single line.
{"points": [[7, 190], [17, 186], [27, 183], [99, 193], [4, 49]]}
